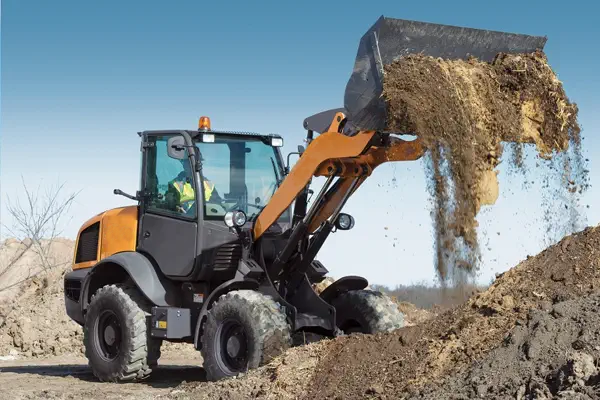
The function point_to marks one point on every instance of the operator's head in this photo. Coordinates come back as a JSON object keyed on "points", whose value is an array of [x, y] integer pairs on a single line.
{"points": [[186, 166]]}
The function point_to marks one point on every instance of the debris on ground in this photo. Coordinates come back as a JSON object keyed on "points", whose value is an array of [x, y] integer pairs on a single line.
{"points": [[534, 332], [434, 352], [34, 323], [33, 320], [286, 377]]}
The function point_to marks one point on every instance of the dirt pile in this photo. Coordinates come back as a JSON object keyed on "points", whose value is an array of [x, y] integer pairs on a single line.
{"points": [[22, 260], [464, 111], [35, 324], [534, 332], [412, 314], [407, 362], [553, 352], [287, 377], [33, 319]]}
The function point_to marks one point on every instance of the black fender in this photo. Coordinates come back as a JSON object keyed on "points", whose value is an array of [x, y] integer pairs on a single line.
{"points": [[118, 267], [225, 287], [343, 285]]}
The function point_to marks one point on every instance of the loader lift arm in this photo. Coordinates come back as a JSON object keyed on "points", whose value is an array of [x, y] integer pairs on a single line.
{"points": [[333, 154]]}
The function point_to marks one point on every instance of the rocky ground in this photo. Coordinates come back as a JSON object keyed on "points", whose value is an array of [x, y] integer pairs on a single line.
{"points": [[534, 334]]}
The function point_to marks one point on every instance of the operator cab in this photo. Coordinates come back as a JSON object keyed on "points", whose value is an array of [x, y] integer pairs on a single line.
{"points": [[192, 185]]}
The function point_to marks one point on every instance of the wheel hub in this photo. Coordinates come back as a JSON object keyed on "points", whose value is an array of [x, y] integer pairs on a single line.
{"points": [[236, 345], [232, 346], [108, 335]]}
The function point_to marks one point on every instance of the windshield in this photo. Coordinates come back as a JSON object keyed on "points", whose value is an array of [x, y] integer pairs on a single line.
{"points": [[239, 173]]}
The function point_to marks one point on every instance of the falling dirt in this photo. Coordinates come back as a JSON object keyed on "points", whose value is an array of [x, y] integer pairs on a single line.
{"points": [[464, 112]]}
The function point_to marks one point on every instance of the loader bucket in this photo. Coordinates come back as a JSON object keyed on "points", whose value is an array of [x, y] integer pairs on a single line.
{"points": [[389, 39]]}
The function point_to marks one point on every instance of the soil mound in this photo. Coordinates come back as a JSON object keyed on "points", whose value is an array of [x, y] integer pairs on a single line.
{"points": [[35, 324], [286, 377], [535, 332], [411, 360], [464, 110], [33, 319], [551, 354]]}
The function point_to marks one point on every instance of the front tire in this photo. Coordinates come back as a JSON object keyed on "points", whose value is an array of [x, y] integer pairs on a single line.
{"points": [[366, 311], [116, 335], [244, 329]]}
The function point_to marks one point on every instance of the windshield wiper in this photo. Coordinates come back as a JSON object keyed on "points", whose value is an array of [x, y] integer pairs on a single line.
{"points": [[275, 172]]}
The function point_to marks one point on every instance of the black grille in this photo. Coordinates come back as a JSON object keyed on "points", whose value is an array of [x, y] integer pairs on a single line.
{"points": [[72, 289], [227, 256], [87, 250]]}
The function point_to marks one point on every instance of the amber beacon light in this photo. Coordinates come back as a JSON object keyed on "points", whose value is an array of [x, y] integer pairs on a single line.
{"points": [[204, 124]]}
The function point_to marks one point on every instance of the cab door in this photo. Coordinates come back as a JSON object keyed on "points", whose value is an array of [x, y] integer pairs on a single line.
{"points": [[167, 231]]}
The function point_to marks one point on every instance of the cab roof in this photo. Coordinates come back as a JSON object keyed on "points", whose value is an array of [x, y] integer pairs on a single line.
{"points": [[195, 133]]}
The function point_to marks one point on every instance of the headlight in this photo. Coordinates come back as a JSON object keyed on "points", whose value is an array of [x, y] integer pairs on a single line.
{"points": [[235, 218], [344, 222], [276, 142]]}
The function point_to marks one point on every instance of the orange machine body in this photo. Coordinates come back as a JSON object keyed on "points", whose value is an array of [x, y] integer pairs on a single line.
{"points": [[117, 232]]}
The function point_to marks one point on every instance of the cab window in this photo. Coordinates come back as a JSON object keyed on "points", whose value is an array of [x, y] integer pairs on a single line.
{"points": [[169, 180], [240, 173]]}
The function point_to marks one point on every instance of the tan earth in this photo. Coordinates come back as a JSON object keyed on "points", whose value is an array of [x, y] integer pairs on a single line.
{"points": [[41, 351], [535, 333]]}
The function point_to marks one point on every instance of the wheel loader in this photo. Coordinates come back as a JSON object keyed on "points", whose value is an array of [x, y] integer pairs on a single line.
{"points": [[220, 249]]}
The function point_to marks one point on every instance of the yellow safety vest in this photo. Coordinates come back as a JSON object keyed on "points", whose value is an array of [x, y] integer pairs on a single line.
{"points": [[186, 193], [208, 190]]}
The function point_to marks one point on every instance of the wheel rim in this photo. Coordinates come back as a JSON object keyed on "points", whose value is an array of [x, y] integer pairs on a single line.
{"points": [[108, 335], [232, 346]]}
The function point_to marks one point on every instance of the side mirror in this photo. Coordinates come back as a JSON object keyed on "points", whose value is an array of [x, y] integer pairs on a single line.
{"points": [[300, 151], [176, 148]]}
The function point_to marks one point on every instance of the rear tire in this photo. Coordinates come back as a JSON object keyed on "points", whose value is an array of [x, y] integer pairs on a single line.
{"points": [[366, 311], [116, 335], [244, 330]]}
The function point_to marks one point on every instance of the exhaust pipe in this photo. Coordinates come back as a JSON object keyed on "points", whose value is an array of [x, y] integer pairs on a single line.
{"points": [[389, 39]]}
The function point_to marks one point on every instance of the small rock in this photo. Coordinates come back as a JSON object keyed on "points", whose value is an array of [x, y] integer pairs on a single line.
{"points": [[13, 352], [17, 341], [565, 244], [481, 390], [578, 344], [508, 302], [582, 367], [521, 392], [375, 389]]}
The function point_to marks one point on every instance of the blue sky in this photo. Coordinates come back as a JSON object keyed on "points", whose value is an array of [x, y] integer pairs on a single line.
{"points": [[80, 78]]}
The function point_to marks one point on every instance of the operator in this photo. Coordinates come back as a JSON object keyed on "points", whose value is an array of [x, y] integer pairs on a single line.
{"points": [[183, 189]]}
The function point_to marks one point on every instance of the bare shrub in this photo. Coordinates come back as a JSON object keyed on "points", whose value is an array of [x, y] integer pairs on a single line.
{"points": [[36, 223]]}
